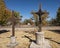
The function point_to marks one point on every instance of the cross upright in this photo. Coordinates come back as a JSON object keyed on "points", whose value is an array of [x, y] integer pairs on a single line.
{"points": [[40, 40], [39, 13], [13, 24], [13, 20], [13, 42]]}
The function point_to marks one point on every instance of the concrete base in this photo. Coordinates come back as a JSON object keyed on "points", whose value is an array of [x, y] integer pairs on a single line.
{"points": [[44, 45], [13, 42], [39, 37], [41, 42]]}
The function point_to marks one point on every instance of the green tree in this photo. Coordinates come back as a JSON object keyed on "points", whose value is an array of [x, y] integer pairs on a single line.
{"points": [[5, 14], [58, 17], [44, 18], [56, 21], [52, 22], [35, 17], [17, 16], [2, 11], [26, 21]]}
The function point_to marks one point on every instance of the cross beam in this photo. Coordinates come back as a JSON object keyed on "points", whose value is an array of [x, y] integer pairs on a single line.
{"points": [[13, 20], [39, 13]]}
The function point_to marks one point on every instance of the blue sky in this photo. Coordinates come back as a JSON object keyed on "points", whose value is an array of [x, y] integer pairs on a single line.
{"points": [[26, 6]]}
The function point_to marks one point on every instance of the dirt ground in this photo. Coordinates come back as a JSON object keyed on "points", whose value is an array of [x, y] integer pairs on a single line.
{"points": [[24, 38]]}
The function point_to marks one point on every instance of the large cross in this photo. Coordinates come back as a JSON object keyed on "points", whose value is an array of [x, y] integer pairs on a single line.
{"points": [[13, 42], [39, 13], [13, 20]]}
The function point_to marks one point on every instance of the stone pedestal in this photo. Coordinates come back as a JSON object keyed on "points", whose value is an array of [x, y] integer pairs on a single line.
{"points": [[13, 42], [41, 42], [39, 37]]}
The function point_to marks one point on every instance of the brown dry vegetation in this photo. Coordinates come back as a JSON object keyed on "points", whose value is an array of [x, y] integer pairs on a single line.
{"points": [[24, 42]]}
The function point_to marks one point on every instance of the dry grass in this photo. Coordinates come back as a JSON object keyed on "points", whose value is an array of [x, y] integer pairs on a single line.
{"points": [[54, 38], [24, 42]]}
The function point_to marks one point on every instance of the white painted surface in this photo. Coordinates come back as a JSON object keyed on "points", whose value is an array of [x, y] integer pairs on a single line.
{"points": [[13, 40], [41, 42], [39, 37], [12, 43]]}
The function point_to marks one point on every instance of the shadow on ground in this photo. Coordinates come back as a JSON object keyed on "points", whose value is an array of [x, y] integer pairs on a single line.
{"points": [[52, 40], [3, 31], [30, 40], [56, 31]]}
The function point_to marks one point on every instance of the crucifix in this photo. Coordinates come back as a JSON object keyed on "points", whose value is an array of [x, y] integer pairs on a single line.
{"points": [[13, 19], [40, 40], [39, 13], [13, 23]]}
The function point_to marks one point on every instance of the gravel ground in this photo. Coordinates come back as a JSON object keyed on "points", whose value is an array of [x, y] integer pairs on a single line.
{"points": [[24, 37]]}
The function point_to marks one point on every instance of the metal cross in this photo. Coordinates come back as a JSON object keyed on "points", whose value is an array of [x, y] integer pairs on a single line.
{"points": [[13, 20], [39, 13]]}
